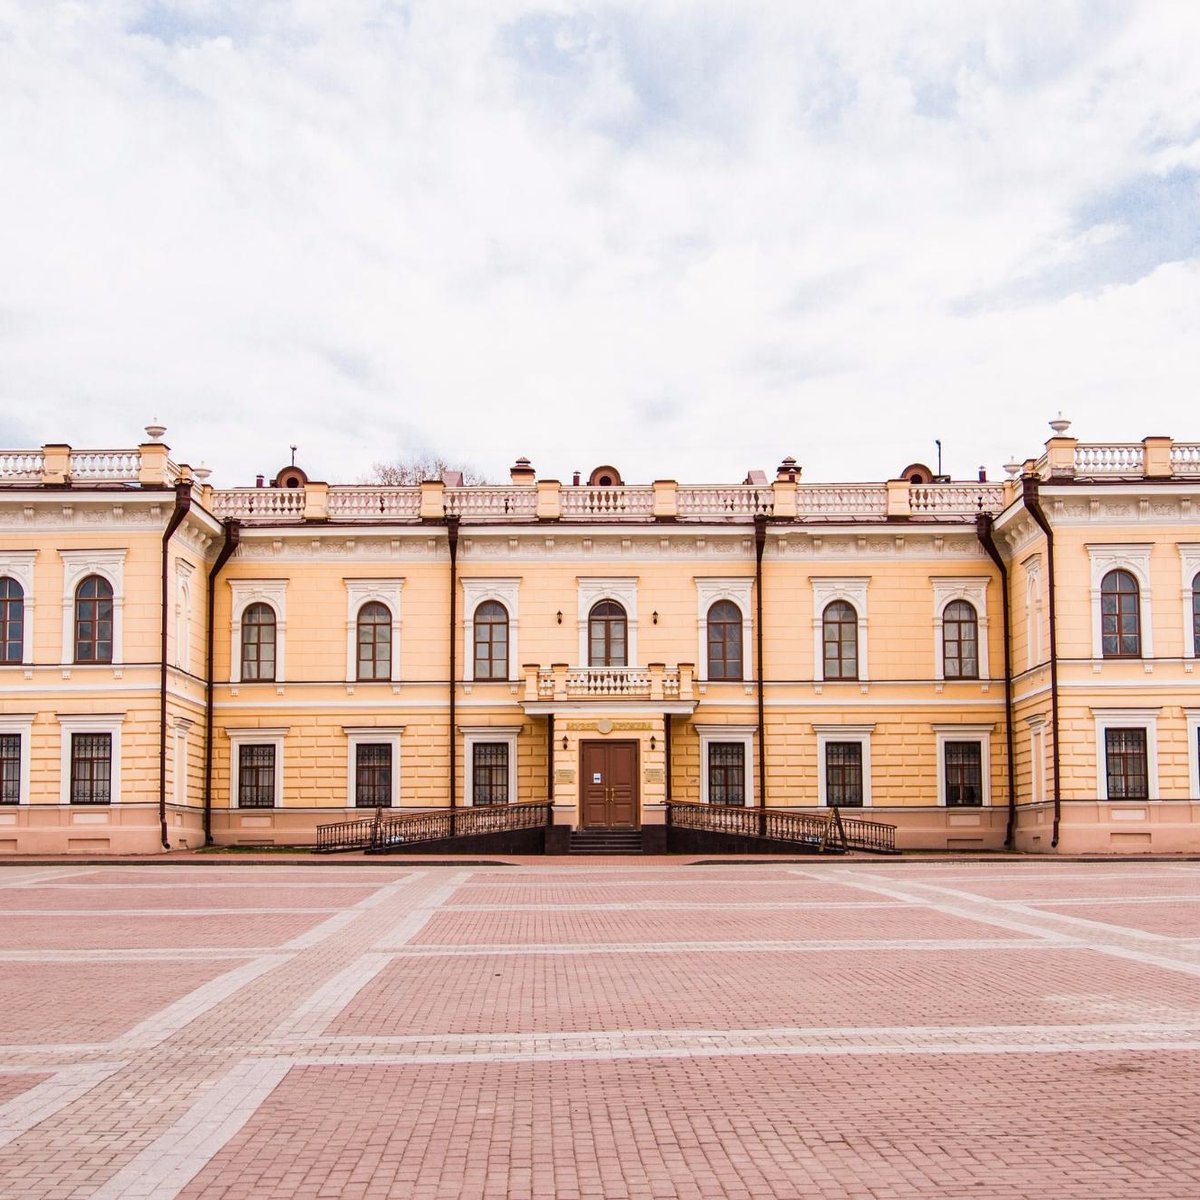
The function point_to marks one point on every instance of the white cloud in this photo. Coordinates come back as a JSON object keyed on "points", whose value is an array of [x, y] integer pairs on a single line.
{"points": [[683, 237]]}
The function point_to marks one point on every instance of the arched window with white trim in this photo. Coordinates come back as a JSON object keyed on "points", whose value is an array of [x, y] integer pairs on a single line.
{"points": [[960, 640], [12, 620], [607, 635], [491, 641], [839, 640], [258, 643], [94, 620], [1120, 615], [724, 625], [373, 642]]}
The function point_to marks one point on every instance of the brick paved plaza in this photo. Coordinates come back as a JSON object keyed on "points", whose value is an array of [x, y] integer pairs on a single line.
{"points": [[600, 1028]]}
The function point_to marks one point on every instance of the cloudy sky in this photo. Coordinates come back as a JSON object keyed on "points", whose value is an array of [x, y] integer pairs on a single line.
{"points": [[687, 238]]}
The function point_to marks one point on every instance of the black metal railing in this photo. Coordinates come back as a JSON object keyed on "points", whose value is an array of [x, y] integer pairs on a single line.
{"points": [[386, 828], [827, 830]]}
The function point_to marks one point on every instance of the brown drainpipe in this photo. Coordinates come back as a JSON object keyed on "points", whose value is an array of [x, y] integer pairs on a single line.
{"points": [[1029, 497], [232, 535], [984, 529], [452, 537], [760, 543], [183, 501]]}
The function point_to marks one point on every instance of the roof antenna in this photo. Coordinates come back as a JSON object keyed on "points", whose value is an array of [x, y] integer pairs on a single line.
{"points": [[293, 449], [936, 441]]}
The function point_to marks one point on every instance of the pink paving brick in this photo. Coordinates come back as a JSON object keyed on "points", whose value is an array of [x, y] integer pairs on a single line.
{"points": [[181, 895], [551, 993], [1180, 918], [113, 933], [14, 1083], [660, 891], [582, 927], [1072, 1127], [90, 1001], [1116, 882]]}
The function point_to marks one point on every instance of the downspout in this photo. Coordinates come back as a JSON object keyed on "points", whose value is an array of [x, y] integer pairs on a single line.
{"points": [[1029, 497], [183, 501], [452, 538], [232, 535], [760, 543], [985, 531]]}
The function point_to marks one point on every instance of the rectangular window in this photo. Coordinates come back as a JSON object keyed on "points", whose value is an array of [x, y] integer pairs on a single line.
{"points": [[372, 775], [256, 776], [91, 768], [1125, 760], [10, 768], [843, 774], [964, 774], [489, 773], [726, 773]]}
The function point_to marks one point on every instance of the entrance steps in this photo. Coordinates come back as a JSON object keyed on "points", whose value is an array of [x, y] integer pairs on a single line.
{"points": [[606, 841]]}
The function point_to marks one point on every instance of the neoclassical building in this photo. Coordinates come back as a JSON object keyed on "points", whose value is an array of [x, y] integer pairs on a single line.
{"points": [[979, 664]]}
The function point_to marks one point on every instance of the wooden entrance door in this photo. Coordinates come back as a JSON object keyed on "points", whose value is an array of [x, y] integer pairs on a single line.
{"points": [[609, 785]]}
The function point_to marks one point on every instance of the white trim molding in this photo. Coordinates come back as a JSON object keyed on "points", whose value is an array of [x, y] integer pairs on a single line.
{"points": [[827, 589], [1124, 556], [255, 737], [71, 724], [1034, 610], [77, 566], [965, 733], [183, 611], [972, 589], [371, 735], [843, 733], [181, 727], [1126, 718], [18, 565], [472, 735], [366, 591], [743, 734], [477, 591], [1192, 716], [1037, 757], [623, 589], [21, 726], [246, 592], [1189, 565], [738, 590]]}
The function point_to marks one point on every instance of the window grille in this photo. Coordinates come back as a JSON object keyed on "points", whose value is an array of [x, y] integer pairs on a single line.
{"points": [[91, 768], [373, 775], [256, 776], [726, 773], [489, 773]]}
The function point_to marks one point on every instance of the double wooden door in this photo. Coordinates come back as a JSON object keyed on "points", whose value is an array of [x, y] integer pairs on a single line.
{"points": [[609, 785]]}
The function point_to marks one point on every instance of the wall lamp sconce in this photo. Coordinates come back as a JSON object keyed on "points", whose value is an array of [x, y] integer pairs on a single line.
{"points": [[653, 742], [558, 616], [564, 741], [654, 616]]}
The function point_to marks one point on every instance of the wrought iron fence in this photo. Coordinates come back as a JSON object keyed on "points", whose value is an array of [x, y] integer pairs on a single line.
{"points": [[827, 830], [386, 829]]}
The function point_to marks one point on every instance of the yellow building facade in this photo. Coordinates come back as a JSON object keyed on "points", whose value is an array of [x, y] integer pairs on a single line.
{"points": [[979, 664]]}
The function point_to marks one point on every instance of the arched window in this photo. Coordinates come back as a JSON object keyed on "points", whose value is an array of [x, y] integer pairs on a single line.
{"points": [[12, 620], [374, 641], [725, 641], [491, 641], [258, 643], [1120, 619], [1196, 616], [94, 621], [960, 641], [839, 637], [606, 635]]}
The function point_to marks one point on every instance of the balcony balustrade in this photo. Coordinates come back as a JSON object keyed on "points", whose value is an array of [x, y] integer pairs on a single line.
{"points": [[652, 682]]}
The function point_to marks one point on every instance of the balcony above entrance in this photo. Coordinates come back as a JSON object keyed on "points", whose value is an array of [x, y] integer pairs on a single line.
{"points": [[559, 686]]}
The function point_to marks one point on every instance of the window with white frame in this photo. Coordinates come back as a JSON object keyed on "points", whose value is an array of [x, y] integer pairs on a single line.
{"points": [[256, 767], [93, 606], [840, 628], [373, 630], [258, 629], [727, 764], [1189, 561], [724, 608], [960, 627], [616, 594], [15, 732], [373, 766], [16, 606], [490, 628], [1126, 753], [844, 765], [1121, 601], [90, 758], [964, 765], [490, 757]]}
